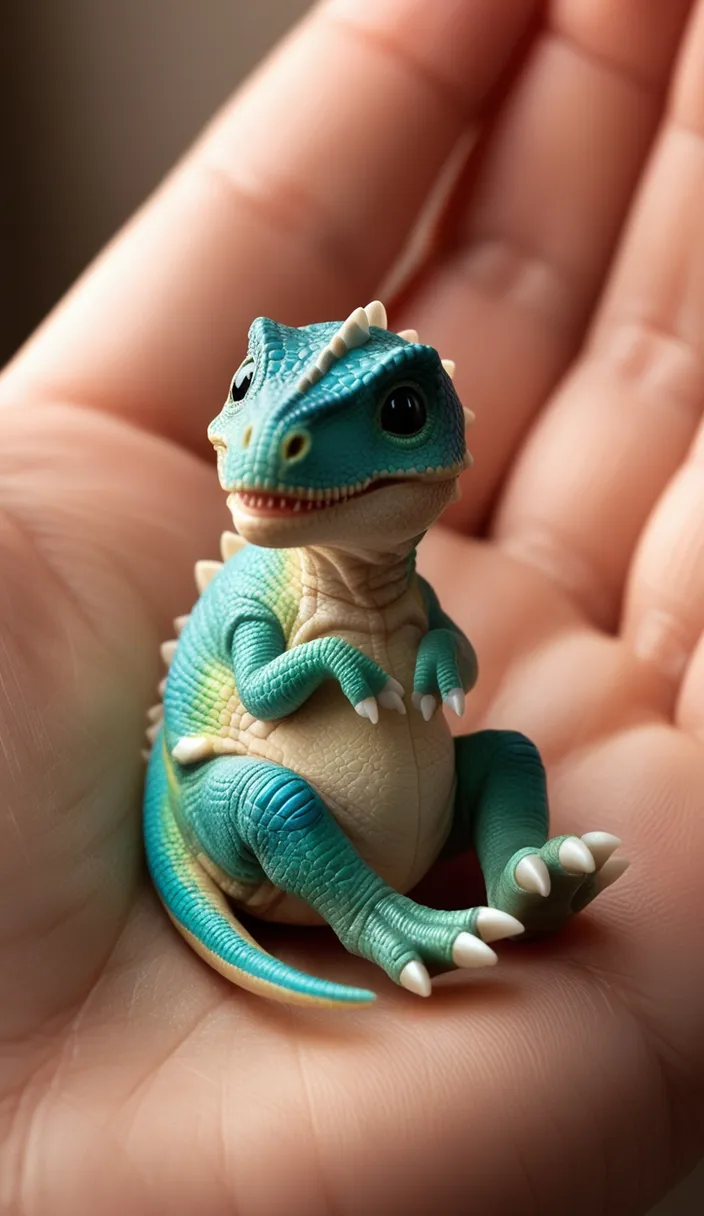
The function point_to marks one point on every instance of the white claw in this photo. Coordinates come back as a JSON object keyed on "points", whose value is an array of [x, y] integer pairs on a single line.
{"points": [[415, 978], [368, 708], [601, 845], [470, 951], [574, 856], [393, 685], [456, 700], [390, 699], [611, 871], [492, 925], [532, 875]]}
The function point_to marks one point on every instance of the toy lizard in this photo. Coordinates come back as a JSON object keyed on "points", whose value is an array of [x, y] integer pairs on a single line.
{"points": [[302, 768]]}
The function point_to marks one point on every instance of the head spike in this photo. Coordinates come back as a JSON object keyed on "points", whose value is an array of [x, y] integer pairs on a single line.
{"points": [[449, 365], [409, 335], [469, 416], [355, 330], [180, 624], [376, 314]]}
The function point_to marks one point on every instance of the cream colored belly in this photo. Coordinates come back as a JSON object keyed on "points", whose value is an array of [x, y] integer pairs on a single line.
{"points": [[390, 786]]}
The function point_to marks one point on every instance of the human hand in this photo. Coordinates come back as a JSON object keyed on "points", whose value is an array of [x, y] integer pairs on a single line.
{"points": [[133, 1079]]}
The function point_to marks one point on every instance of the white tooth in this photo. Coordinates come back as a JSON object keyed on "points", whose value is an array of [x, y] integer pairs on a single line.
{"points": [[309, 506], [297, 505], [415, 978], [270, 503], [408, 335], [282, 503], [205, 573]]}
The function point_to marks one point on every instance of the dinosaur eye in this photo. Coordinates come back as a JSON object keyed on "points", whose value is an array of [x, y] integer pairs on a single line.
{"points": [[242, 379], [403, 412]]}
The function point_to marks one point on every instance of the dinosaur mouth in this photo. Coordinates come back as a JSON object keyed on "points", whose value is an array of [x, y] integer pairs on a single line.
{"points": [[274, 503]]}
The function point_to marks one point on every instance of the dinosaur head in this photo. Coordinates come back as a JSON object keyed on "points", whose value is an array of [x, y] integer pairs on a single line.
{"points": [[341, 434]]}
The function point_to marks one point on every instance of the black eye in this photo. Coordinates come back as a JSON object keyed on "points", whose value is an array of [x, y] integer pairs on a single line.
{"points": [[242, 380], [403, 412]]}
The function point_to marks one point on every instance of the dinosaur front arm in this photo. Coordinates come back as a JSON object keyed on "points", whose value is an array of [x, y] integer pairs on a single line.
{"points": [[446, 662], [274, 682]]}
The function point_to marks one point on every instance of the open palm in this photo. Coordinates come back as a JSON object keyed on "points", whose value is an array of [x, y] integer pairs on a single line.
{"points": [[566, 278]]}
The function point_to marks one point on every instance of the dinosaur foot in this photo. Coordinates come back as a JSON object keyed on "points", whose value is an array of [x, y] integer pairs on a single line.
{"points": [[406, 939], [545, 887]]}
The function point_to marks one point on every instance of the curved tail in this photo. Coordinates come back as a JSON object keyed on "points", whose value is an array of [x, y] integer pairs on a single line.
{"points": [[202, 914]]}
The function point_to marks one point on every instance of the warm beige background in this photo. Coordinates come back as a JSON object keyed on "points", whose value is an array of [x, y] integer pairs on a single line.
{"points": [[97, 98]]}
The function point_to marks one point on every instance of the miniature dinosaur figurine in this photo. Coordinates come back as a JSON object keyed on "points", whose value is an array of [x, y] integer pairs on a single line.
{"points": [[302, 767]]}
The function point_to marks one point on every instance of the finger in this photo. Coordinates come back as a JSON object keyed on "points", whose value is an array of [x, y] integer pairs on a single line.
{"points": [[293, 204], [603, 452], [532, 230], [99, 530]]}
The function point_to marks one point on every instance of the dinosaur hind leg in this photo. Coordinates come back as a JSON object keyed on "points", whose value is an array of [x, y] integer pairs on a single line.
{"points": [[501, 811], [260, 811]]}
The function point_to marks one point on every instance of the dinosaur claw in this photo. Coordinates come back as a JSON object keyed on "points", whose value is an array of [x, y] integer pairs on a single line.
{"points": [[611, 871], [425, 703], [601, 845], [391, 696], [492, 925], [368, 708], [532, 875], [574, 856], [415, 978], [456, 700], [471, 951]]}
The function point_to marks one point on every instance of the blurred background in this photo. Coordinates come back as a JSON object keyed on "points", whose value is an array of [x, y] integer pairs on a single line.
{"points": [[97, 99]]}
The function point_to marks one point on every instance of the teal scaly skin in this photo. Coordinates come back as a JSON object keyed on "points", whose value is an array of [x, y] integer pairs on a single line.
{"points": [[301, 766]]}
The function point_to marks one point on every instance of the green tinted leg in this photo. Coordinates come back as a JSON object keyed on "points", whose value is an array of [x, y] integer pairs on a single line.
{"points": [[501, 812]]}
